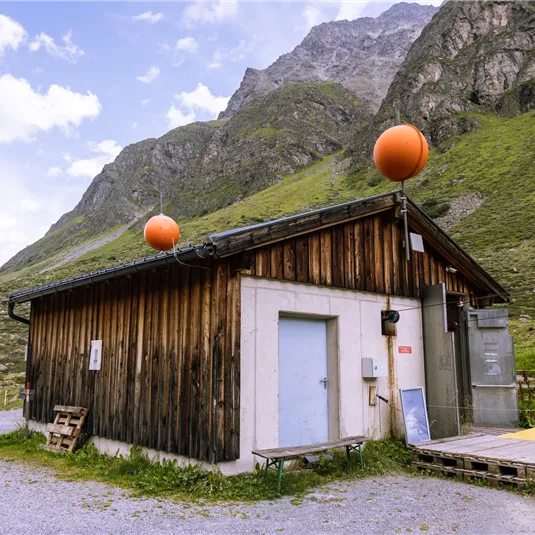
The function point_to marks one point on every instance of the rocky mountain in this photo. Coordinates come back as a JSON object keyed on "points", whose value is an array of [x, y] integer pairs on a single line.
{"points": [[202, 167], [475, 56], [362, 54]]}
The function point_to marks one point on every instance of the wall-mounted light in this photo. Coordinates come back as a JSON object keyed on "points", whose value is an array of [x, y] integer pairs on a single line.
{"points": [[451, 269], [389, 318]]}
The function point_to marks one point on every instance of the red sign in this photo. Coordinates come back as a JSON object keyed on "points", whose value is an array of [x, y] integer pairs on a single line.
{"points": [[405, 349]]}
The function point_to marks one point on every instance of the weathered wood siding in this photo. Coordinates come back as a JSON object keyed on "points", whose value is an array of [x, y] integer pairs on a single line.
{"points": [[170, 359], [366, 254]]}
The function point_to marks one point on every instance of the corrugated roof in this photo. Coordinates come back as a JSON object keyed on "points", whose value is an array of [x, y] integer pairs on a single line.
{"points": [[143, 264]]}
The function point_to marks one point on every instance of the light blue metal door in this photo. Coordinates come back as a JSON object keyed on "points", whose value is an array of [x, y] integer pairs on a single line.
{"points": [[303, 406]]}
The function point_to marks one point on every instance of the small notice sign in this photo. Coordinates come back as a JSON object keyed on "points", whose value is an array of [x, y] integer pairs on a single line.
{"points": [[405, 349]]}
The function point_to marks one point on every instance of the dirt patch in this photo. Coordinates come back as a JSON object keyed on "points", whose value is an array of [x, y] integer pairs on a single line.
{"points": [[460, 208]]}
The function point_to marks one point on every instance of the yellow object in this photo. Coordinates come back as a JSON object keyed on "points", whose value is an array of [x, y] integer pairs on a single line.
{"points": [[527, 434]]}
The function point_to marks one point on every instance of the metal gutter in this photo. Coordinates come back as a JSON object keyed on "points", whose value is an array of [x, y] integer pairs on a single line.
{"points": [[199, 251]]}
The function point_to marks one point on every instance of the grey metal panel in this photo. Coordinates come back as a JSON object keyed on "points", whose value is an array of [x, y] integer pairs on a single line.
{"points": [[495, 406], [493, 368], [440, 376], [492, 360], [492, 318]]}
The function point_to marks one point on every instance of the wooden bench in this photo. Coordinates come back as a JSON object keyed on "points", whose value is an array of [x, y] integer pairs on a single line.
{"points": [[276, 457]]}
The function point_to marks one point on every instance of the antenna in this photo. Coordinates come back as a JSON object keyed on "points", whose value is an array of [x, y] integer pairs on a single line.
{"points": [[404, 203]]}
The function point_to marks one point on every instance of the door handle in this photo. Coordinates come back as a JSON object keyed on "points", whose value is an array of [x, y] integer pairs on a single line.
{"points": [[324, 381]]}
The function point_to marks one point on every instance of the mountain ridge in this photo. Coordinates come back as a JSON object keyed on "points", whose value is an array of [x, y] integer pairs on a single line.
{"points": [[363, 55]]}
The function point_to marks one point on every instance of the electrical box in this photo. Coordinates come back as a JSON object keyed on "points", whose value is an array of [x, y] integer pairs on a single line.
{"points": [[374, 367]]}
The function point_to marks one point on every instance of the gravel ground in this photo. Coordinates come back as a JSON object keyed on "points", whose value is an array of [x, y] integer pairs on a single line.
{"points": [[10, 420], [33, 501]]}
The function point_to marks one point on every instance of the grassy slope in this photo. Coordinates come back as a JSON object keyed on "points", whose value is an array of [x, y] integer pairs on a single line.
{"points": [[497, 161]]}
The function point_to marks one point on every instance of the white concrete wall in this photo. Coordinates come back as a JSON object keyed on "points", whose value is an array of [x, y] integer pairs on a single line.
{"points": [[358, 316]]}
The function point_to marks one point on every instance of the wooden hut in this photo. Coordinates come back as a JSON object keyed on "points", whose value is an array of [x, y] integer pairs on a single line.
{"points": [[204, 353]]}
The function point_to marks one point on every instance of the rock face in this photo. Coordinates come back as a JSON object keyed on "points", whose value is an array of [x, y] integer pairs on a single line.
{"points": [[472, 56], [204, 166], [363, 55]]}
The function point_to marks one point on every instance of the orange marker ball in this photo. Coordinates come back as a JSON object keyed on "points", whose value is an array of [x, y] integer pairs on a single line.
{"points": [[401, 152], [161, 231]]}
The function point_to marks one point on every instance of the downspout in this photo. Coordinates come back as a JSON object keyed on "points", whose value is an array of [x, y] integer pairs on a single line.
{"points": [[13, 316]]}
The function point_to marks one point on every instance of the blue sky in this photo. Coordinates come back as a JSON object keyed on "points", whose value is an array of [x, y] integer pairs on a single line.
{"points": [[79, 81]]}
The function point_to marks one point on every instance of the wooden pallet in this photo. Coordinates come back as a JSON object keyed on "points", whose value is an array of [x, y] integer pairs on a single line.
{"points": [[477, 464], [478, 457], [494, 480], [63, 433]]}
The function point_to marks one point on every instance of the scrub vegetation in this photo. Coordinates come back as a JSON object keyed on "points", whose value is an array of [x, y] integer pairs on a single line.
{"points": [[143, 477]]}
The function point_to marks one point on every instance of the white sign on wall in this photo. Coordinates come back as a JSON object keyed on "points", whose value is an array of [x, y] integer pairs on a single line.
{"points": [[96, 355]]}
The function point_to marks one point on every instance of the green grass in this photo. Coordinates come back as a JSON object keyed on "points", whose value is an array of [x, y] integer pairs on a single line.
{"points": [[143, 477], [12, 398]]}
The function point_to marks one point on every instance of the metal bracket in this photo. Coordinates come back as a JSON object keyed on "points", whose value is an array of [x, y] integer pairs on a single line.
{"points": [[22, 394]]}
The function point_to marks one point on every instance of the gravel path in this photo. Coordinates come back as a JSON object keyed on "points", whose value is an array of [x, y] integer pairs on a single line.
{"points": [[33, 501], [10, 420]]}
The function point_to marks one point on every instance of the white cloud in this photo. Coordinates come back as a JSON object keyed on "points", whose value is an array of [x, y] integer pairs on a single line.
{"points": [[234, 54], [189, 44], [66, 156], [69, 51], [215, 63], [199, 13], [40, 152], [313, 15], [133, 124], [145, 102], [150, 75], [149, 16], [199, 100], [54, 171], [350, 10], [107, 151], [176, 118], [29, 205], [24, 112], [202, 99], [21, 212], [12, 34]]}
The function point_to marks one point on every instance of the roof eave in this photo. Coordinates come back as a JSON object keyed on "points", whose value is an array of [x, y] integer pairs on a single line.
{"points": [[447, 247], [200, 251]]}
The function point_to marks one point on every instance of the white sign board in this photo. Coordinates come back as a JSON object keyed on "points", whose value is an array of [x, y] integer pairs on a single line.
{"points": [[417, 242], [96, 355]]}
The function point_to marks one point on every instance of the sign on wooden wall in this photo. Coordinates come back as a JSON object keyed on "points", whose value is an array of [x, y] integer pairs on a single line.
{"points": [[96, 355]]}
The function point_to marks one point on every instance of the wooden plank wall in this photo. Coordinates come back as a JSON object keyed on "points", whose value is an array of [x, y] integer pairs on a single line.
{"points": [[170, 365], [366, 254]]}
